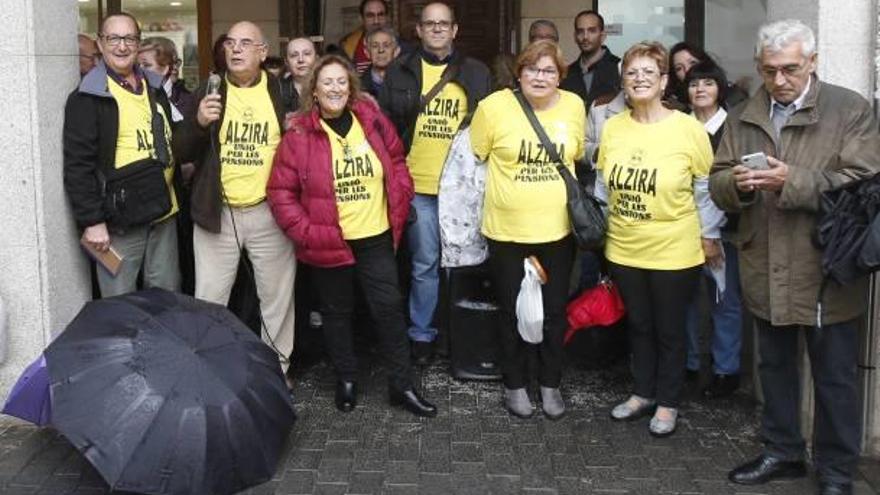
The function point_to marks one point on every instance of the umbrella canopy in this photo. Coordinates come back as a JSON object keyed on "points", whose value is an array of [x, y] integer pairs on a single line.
{"points": [[597, 306], [166, 394], [29, 398]]}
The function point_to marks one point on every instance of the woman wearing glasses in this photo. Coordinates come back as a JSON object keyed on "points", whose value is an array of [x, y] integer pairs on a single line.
{"points": [[341, 190], [654, 163], [524, 213]]}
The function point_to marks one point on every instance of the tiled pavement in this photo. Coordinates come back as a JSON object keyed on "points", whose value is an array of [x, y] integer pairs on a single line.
{"points": [[472, 447]]}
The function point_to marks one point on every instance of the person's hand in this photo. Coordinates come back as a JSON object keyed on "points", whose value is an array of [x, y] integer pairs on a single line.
{"points": [[210, 109], [713, 252], [97, 237], [772, 179]]}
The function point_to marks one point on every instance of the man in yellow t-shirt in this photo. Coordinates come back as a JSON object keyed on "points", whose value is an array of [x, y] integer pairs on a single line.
{"points": [[232, 139], [427, 129], [108, 126]]}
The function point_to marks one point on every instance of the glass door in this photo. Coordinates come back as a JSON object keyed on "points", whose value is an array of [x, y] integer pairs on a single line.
{"points": [[630, 21]]}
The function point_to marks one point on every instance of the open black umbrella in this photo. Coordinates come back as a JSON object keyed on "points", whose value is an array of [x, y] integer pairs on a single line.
{"points": [[165, 394]]}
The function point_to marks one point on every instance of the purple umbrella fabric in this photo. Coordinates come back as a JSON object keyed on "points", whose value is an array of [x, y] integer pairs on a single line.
{"points": [[29, 398]]}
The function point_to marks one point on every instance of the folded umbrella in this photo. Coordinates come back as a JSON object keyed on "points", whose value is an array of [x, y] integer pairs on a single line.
{"points": [[165, 394], [29, 398]]}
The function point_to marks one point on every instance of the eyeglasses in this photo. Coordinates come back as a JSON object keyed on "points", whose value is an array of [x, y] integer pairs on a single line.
{"points": [[114, 40], [374, 15], [438, 25], [646, 72], [787, 71], [244, 43], [548, 73]]}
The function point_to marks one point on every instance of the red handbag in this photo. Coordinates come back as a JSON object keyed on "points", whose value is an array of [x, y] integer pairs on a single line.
{"points": [[598, 306]]}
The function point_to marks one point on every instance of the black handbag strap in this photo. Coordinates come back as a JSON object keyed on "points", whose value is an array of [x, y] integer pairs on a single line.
{"points": [[157, 126], [449, 73], [549, 147]]}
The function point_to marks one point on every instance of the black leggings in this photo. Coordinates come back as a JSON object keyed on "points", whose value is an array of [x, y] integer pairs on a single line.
{"points": [[656, 306], [506, 262]]}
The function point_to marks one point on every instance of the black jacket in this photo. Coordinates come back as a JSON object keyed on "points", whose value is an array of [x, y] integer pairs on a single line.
{"points": [[289, 94], [368, 85], [192, 143], [91, 128], [606, 78], [399, 97]]}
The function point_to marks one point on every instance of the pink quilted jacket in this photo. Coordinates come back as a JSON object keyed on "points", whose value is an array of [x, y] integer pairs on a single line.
{"points": [[301, 194]]}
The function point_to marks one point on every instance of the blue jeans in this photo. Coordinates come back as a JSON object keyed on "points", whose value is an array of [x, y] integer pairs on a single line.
{"points": [[423, 237], [726, 320]]}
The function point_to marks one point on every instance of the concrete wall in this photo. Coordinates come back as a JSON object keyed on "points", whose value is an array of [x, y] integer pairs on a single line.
{"points": [[43, 275], [263, 13], [562, 13], [733, 43]]}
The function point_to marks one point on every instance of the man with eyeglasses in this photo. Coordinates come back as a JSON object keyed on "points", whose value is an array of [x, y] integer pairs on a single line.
{"points": [[383, 48], [816, 136], [374, 15], [88, 54], [232, 137], [119, 117], [427, 93], [595, 72]]}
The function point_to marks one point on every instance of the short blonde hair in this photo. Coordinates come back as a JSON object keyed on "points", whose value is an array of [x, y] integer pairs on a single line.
{"points": [[647, 49], [538, 49]]}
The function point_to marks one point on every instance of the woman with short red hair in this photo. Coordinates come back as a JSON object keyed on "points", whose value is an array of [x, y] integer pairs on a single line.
{"points": [[524, 213]]}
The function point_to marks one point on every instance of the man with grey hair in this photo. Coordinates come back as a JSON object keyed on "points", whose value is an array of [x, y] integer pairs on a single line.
{"points": [[382, 47], [542, 29], [815, 136]]}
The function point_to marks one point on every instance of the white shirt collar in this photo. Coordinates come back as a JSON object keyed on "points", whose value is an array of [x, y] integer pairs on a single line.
{"points": [[798, 103], [712, 125]]}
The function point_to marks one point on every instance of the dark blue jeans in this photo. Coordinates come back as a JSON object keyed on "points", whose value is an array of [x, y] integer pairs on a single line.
{"points": [[837, 429]]}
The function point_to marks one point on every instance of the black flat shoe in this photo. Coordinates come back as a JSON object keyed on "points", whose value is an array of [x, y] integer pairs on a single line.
{"points": [[346, 396], [766, 468], [835, 489], [721, 386], [411, 401]]}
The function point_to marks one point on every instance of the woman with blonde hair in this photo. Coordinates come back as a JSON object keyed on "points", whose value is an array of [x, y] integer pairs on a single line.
{"points": [[341, 190], [524, 212], [653, 169]]}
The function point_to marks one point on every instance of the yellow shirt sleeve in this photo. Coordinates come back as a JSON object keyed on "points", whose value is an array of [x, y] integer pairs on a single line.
{"points": [[481, 133], [703, 156]]}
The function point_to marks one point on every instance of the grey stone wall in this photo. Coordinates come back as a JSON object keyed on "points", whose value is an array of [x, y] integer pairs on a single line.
{"points": [[43, 276]]}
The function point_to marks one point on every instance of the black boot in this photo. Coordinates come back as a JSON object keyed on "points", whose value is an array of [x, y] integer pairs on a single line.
{"points": [[766, 468], [411, 401], [721, 386], [346, 396]]}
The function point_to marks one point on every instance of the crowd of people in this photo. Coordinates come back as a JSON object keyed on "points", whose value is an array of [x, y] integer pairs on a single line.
{"points": [[333, 162]]}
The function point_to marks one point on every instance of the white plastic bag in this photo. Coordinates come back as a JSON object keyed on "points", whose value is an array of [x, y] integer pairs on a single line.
{"points": [[530, 306]]}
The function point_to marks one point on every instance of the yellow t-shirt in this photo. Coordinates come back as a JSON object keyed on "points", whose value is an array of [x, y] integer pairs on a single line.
{"points": [[525, 196], [435, 127], [248, 139], [649, 170], [134, 140], [358, 180]]}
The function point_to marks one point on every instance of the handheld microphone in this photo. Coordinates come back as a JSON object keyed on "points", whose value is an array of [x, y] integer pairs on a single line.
{"points": [[213, 87]]}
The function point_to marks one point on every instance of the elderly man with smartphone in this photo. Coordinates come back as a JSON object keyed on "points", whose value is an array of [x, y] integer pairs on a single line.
{"points": [[815, 136]]}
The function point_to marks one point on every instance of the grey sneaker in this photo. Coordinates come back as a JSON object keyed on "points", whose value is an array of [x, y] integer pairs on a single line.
{"points": [[633, 408], [663, 427], [553, 405], [517, 402]]}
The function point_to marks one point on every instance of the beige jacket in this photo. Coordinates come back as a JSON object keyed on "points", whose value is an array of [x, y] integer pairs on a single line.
{"points": [[832, 139]]}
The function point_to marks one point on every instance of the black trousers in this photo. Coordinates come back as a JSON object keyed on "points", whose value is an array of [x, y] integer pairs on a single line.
{"points": [[833, 355], [656, 307], [506, 264], [375, 270]]}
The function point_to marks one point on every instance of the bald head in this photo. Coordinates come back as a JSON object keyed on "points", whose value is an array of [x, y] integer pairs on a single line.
{"points": [[245, 49]]}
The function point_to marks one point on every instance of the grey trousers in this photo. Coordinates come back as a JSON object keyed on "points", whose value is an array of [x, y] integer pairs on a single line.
{"points": [[270, 252], [152, 248]]}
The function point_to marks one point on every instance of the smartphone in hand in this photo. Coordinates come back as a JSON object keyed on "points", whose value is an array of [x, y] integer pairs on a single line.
{"points": [[755, 161]]}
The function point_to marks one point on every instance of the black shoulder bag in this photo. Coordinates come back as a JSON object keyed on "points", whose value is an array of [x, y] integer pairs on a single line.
{"points": [[137, 194], [585, 215]]}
